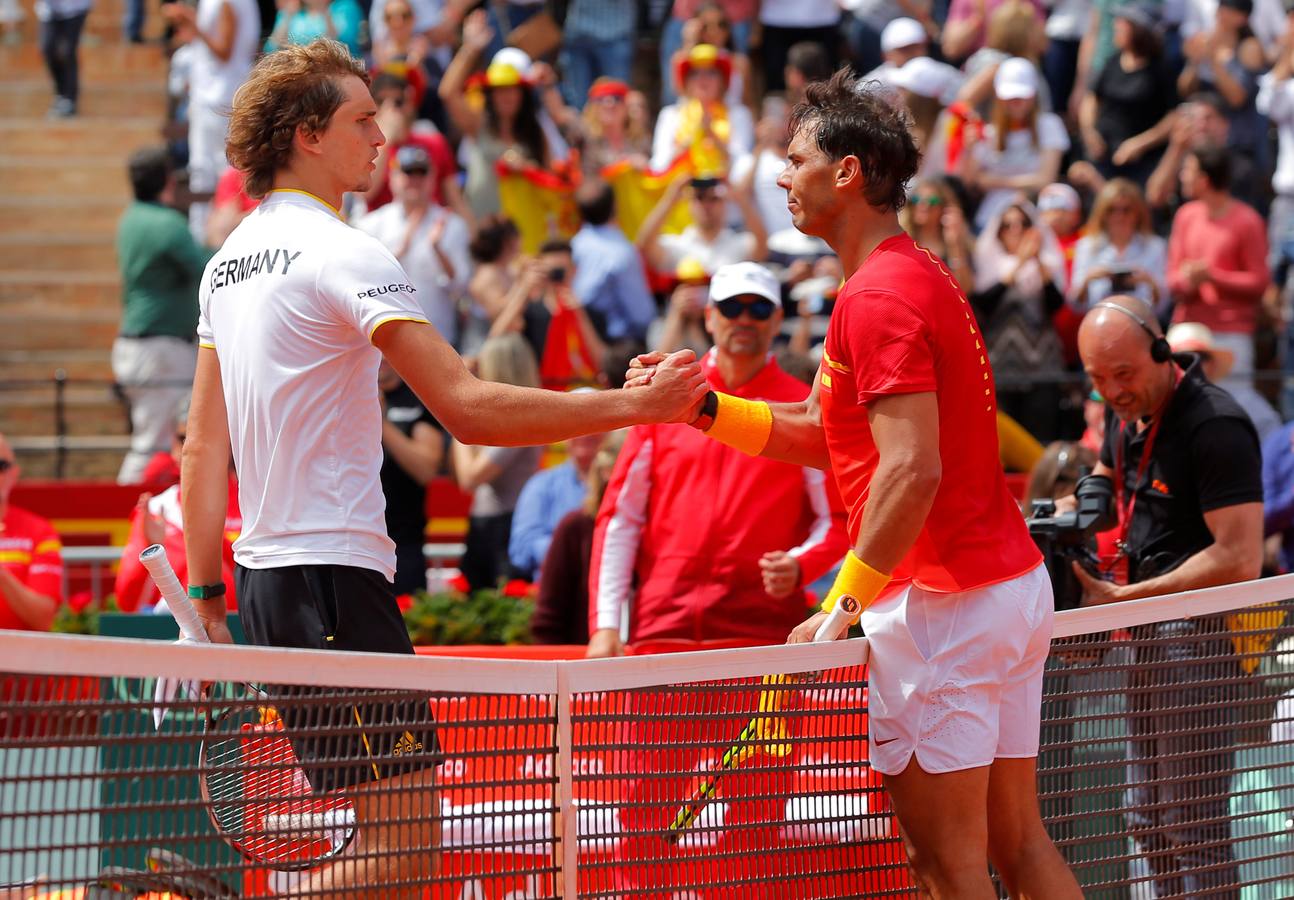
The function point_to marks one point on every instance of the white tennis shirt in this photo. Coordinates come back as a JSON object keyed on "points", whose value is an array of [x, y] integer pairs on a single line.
{"points": [[290, 304]]}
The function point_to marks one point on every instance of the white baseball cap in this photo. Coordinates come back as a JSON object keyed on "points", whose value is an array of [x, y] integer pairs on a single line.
{"points": [[926, 77], [1016, 79], [903, 32], [1059, 195], [744, 278]]}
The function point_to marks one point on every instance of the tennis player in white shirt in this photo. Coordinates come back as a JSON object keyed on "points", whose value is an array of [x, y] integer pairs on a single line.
{"points": [[296, 311]]}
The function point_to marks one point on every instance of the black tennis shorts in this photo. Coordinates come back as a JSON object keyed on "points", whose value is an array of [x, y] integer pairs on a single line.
{"points": [[343, 737]]}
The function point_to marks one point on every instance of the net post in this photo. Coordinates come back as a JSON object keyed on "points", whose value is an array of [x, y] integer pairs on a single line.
{"points": [[566, 807]]}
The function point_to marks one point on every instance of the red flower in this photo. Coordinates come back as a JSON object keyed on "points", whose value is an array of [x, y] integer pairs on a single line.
{"points": [[459, 583], [405, 602], [518, 588]]}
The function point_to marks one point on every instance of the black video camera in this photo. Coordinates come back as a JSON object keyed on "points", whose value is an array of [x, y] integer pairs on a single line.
{"points": [[1071, 537]]}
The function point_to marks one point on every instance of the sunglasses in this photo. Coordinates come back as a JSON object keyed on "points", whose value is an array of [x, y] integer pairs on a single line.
{"points": [[6, 465], [416, 172], [929, 200], [760, 310]]}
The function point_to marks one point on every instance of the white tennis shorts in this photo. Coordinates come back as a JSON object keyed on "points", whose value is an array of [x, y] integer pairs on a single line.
{"points": [[956, 679]]}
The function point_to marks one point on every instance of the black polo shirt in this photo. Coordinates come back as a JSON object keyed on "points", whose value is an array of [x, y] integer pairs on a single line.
{"points": [[1205, 457]]}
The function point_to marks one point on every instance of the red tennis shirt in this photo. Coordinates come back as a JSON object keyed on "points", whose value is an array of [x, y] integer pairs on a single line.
{"points": [[901, 325]]}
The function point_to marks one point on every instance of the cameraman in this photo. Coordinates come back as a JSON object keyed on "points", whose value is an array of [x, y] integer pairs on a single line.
{"points": [[1184, 462], [561, 331]]}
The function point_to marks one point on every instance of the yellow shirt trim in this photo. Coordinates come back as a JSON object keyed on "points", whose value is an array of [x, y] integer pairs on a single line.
{"points": [[53, 545], [372, 331], [335, 211], [838, 366], [205, 344]]}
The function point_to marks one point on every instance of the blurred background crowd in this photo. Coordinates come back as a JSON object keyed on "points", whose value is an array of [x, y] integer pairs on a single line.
{"points": [[564, 179]]}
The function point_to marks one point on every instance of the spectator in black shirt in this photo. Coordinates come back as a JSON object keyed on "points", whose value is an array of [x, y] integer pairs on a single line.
{"points": [[1185, 464], [1128, 114], [413, 448]]}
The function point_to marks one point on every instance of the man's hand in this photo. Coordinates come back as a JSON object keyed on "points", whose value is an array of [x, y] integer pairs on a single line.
{"points": [[805, 632], [604, 643], [642, 368], [677, 388], [1196, 271], [477, 32], [153, 525], [217, 629], [1096, 591], [781, 572]]}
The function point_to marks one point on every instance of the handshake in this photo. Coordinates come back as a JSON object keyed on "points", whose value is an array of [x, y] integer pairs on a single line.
{"points": [[671, 386]]}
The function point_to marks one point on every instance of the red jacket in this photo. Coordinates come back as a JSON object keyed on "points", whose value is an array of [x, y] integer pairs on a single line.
{"points": [[687, 519]]}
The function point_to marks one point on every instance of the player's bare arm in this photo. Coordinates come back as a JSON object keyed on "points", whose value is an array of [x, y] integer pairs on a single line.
{"points": [[481, 412], [205, 475], [905, 428], [795, 436]]}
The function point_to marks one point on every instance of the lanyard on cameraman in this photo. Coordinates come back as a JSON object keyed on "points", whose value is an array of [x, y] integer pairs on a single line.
{"points": [[1126, 508]]}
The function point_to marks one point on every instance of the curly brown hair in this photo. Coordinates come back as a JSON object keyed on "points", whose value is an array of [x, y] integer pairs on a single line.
{"points": [[291, 88]]}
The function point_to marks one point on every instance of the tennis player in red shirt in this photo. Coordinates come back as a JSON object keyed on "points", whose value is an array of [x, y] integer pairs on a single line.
{"points": [[958, 607]]}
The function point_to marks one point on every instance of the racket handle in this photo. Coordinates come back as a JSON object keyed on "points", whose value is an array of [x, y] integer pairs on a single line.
{"points": [[841, 617], [159, 567]]}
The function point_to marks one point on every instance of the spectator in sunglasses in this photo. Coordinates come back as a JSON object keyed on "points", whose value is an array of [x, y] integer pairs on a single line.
{"points": [[777, 528], [935, 219]]}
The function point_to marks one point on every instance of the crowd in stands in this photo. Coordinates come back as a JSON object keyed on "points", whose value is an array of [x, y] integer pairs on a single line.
{"points": [[570, 184]]}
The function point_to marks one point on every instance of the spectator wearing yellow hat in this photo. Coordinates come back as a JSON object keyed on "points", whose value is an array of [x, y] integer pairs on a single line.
{"points": [[508, 122], [702, 122]]}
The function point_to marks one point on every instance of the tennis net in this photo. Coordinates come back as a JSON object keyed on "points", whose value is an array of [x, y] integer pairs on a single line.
{"points": [[1167, 768]]}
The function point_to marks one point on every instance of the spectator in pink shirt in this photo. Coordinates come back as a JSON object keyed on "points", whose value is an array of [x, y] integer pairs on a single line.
{"points": [[1217, 258]]}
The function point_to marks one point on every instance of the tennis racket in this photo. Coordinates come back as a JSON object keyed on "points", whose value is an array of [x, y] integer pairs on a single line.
{"points": [[256, 793], [763, 728]]}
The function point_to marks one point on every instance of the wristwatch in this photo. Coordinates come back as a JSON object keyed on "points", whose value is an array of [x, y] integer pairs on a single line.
{"points": [[709, 409], [206, 591]]}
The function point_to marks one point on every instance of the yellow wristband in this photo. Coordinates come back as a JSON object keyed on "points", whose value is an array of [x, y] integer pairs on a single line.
{"points": [[860, 581], [742, 424]]}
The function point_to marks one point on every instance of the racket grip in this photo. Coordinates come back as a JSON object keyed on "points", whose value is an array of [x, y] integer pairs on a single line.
{"points": [[159, 567], [841, 617]]}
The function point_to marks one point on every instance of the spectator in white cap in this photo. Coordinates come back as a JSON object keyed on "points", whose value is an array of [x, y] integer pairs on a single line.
{"points": [[903, 39], [1062, 211], [925, 87], [778, 528], [868, 22], [1216, 361], [1021, 146], [1014, 29]]}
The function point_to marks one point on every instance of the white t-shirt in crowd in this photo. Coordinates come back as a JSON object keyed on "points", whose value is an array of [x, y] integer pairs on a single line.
{"points": [[437, 290], [290, 304], [770, 199], [1019, 156], [799, 13], [213, 82], [728, 247], [1276, 102]]}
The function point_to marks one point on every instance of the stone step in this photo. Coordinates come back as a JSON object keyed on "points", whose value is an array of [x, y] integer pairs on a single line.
{"points": [[72, 176], [37, 367], [56, 215], [88, 411], [58, 253], [37, 323], [32, 98], [38, 136], [102, 65], [62, 290], [78, 464]]}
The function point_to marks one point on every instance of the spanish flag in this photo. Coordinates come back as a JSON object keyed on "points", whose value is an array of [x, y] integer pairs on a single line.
{"points": [[541, 203], [637, 192]]}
